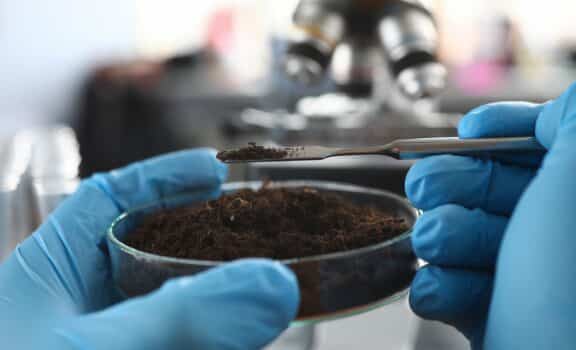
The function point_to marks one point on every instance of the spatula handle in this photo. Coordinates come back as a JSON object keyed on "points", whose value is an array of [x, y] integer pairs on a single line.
{"points": [[419, 148]]}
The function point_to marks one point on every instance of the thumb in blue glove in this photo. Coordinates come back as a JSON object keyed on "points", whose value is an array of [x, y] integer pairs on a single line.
{"points": [[56, 290], [243, 305]]}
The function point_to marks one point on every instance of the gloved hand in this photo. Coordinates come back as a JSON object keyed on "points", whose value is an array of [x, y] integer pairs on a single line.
{"points": [[500, 235], [56, 290]]}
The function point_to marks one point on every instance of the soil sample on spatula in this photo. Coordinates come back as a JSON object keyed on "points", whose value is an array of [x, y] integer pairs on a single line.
{"points": [[276, 223], [252, 152]]}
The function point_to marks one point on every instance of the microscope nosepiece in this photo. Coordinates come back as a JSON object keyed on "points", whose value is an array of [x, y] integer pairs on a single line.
{"points": [[409, 38]]}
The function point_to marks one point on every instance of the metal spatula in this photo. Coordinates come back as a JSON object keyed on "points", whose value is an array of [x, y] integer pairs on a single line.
{"points": [[399, 149]]}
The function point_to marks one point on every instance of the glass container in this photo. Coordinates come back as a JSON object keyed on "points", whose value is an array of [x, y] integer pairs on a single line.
{"points": [[331, 285]]}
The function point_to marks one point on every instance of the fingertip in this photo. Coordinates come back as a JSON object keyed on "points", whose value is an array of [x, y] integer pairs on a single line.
{"points": [[500, 119], [450, 295], [478, 122], [423, 237], [276, 281], [272, 269], [470, 125], [190, 163], [431, 232], [200, 158], [221, 169], [414, 184], [262, 287], [277, 273], [553, 116], [427, 181], [454, 296], [423, 298]]}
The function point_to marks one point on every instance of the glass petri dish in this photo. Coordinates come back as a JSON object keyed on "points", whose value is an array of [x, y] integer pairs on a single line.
{"points": [[331, 286]]}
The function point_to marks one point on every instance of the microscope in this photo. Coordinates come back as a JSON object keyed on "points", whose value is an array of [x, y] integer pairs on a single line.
{"points": [[364, 44], [361, 72], [381, 57]]}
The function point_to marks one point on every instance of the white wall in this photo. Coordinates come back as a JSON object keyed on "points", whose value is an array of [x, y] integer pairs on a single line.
{"points": [[47, 46], [165, 26], [542, 25]]}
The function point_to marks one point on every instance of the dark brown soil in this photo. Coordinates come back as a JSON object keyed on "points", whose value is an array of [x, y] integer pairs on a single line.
{"points": [[252, 152], [272, 223]]}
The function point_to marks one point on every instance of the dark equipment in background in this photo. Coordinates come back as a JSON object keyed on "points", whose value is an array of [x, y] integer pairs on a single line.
{"points": [[135, 110]]}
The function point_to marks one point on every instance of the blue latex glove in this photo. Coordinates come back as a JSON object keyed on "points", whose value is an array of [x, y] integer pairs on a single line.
{"points": [[56, 290], [500, 237]]}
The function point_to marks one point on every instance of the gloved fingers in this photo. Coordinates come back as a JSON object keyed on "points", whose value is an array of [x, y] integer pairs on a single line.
{"points": [[161, 177], [454, 236], [469, 182], [242, 305], [457, 297], [504, 119]]}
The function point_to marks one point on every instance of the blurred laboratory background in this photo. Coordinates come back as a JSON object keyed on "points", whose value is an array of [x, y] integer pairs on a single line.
{"points": [[89, 86]]}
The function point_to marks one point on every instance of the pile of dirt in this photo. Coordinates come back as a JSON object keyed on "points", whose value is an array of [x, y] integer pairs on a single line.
{"points": [[272, 223]]}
